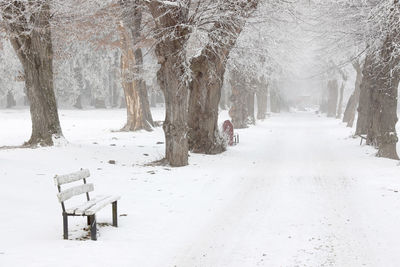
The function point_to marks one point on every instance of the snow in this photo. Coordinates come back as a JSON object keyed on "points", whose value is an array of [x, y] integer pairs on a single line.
{"points": [[169, 3], [71, 177], [74, 191], [296, 191]]}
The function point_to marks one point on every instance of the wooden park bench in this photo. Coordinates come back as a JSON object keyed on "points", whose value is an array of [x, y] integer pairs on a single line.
{"points": [[89, 207]]}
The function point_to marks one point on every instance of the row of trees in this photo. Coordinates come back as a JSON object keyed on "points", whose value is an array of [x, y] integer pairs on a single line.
{"points": [[192, 42], [367, 35]]}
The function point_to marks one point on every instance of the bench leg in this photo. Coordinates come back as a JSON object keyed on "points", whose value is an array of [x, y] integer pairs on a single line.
{"points": [[115, 214], [88, 220], [65, 225], [93, 227]]}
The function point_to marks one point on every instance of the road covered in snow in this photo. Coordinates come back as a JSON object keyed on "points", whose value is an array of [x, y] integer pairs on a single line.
{"points": [[297, 191]]}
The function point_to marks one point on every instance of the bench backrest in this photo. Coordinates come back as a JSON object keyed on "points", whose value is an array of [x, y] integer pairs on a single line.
{"points": [[66, 194]]}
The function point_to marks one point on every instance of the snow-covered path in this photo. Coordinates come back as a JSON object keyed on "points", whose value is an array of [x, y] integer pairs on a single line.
{"points": [[297, 191], [303, 207]]}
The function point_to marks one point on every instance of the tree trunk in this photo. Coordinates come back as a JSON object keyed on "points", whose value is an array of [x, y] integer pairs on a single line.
{"points": [[275, 101], [340, 104], [346, 114], [332, 98], [172, 77], [136, 97], [100, 103], [262, 101], [387, 139], [122, 103], [238, 111], [78, 102], [323, 102], [153, 99], [10, 100], [364, 99], [352, 105], [222, 101], [113, 89], [205, 93], [250, 108], [33, 46], [78, 76], [176, 105]]}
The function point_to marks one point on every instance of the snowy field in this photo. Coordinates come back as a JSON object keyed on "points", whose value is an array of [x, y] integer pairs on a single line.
{"points": [[296, 191]]}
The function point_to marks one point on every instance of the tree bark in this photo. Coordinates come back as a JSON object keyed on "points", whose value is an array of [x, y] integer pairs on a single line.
{"points": [[205, 93], [10, 100], [332, 98], [275, 101], [78, 102], [364, 99], [262, 100], [323, 102], [346, 114], [340, 103], [153, 99], [387, 138], [352, 105], [238, 110], [250, 108], [172, 77], [33, 46], [222, 101], [136, 97]]}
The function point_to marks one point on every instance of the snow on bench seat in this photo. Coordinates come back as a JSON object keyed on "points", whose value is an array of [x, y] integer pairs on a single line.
{"points": [[81, 208], [101, 204]]}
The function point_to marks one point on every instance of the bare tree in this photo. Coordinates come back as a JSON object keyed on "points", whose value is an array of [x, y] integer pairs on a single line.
{"points": [[136, 95]]}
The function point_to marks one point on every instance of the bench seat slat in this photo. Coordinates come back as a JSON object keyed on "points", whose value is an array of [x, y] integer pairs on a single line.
{"points": [[74, 191], [72, 177], [101, 204], [80, 209]]}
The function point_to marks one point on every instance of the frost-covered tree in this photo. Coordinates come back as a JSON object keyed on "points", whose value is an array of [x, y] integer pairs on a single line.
{"points": [[208, 69], [194, 40], [368, 31], [27, 24], [261, 54]]}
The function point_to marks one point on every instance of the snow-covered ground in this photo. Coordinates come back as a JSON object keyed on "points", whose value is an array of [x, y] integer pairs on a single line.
{"points": [[297, 191]]}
